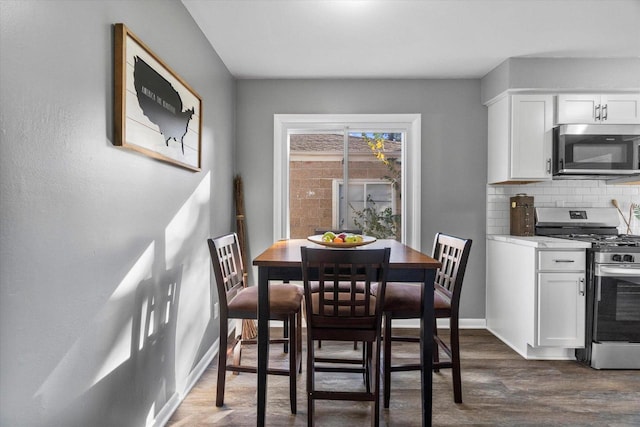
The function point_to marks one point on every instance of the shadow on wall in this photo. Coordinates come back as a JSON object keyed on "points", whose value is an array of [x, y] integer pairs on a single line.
{"points": [[137, 352]]}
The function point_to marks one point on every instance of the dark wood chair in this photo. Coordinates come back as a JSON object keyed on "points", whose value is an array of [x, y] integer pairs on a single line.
{"points": [[344, 309], [348, 231], [402, 301], [237, 301]]}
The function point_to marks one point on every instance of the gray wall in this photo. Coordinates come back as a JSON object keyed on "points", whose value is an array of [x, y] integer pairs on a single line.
{"points": [[454, 164], [91, 234]]}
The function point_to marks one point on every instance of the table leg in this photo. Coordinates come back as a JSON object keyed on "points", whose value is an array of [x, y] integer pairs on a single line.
{"points": [[263, 342], [426, 346]]}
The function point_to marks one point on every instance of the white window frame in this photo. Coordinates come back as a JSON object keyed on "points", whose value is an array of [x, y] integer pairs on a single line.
{"points": [[335, 196], [409, 124]]}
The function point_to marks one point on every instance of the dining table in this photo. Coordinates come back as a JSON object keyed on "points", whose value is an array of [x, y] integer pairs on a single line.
{"points": [[282, 262]]}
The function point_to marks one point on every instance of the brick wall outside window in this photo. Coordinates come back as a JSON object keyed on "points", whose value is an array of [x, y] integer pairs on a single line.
{"points": [[310, 184]]}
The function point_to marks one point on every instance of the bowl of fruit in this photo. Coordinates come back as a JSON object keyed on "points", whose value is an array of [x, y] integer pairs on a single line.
{"points": [[341, 239]]}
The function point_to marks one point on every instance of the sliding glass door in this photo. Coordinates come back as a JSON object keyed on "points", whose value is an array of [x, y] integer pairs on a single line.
{"points": [[319, 165], [349, 177]]}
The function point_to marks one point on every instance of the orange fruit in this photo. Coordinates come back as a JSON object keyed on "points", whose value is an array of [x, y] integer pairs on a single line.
{"points": [[338, 240]]}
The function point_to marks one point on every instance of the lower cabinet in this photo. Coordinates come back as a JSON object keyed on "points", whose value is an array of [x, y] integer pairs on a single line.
{"points": [[561, 310], [536, 298], [561, 298]]}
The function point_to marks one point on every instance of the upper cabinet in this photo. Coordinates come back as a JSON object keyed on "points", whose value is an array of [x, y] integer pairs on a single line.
{"points": [[520, 138], [596, 108]]}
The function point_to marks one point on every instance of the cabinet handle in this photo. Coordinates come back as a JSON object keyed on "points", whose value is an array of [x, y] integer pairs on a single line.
{"points": [[564, 260], [549, 166], [598, 112], [605, 112], [581, 287]]}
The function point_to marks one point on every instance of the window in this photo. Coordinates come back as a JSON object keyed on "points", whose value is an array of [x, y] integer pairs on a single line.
{"points": [[365, 197], [315, 154]]}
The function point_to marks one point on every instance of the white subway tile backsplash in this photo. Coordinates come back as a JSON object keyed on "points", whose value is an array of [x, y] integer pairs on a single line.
{"points": [[568, 193], [591, 199], [551, 190]]}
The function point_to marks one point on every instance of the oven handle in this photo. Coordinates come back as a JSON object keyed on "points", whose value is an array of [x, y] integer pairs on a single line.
{"points": [[613, 271]]}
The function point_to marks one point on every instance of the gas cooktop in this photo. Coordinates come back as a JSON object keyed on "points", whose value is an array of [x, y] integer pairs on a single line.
{"points": [[598, 226], [603, 241]]}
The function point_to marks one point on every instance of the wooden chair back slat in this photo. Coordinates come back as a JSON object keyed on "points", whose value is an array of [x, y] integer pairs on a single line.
{"points": [[228, 266], [452, 252], [344, 278]]}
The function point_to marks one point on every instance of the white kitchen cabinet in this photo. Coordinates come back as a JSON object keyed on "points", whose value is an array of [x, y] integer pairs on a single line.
{"points": [[598, 108], [520, 138], [535, 295], [561, 300]]}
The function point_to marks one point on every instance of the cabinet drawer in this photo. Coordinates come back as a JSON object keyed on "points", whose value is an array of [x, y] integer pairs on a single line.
{"points": [[561, 260]]}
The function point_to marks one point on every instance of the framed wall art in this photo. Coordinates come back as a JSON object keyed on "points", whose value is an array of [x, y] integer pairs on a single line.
{"points": [[155, 111]]}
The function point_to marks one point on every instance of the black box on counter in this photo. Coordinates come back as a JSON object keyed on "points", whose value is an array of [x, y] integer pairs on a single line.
{"points": [[521, 213]]}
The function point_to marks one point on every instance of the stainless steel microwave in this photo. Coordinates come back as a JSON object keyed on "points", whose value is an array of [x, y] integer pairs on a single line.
{"points": [[592, 150]]}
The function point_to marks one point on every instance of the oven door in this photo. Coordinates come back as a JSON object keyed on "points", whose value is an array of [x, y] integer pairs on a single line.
{"points": [[617, 303]]}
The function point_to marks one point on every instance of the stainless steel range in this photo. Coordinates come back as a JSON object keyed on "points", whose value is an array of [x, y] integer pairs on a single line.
{"points": [[613, 283]]}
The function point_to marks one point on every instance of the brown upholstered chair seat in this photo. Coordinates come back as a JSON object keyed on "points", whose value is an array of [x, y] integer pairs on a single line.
{"points": [[403, 299], [283, 299]]}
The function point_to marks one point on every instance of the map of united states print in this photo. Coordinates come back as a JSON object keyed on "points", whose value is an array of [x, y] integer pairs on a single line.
{"points": [[161, 103]]}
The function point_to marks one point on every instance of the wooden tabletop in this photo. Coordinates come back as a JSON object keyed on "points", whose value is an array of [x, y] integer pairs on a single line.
{"points": [[286, 253]]}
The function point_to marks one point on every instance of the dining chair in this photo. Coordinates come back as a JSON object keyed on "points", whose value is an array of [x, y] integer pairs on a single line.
{"points": [[402, 301], [238, 301], [344, 309], [348, 231]]}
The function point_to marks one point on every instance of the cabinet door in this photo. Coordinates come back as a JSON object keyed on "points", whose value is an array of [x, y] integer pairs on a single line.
{"points": [[498, 141], [531, 136], [578, 108], [561, 310], [620, 109]]}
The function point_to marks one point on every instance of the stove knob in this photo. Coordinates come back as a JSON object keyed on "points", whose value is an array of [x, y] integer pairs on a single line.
{"points": [[616, 258], [628, 258]]}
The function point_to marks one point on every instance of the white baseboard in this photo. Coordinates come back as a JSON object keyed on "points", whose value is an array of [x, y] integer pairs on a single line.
{"points": [[442, 323], [415, 323], [167, 410], [164, 415]]}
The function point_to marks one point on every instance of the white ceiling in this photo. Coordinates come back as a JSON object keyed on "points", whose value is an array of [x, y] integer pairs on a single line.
{"points": [[409, 38]]}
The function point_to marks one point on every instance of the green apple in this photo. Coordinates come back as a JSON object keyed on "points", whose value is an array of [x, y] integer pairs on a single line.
{"points": [[328, 236]]}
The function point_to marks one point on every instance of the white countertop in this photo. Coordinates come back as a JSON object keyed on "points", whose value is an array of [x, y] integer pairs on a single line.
{"points": [[542, 242]]}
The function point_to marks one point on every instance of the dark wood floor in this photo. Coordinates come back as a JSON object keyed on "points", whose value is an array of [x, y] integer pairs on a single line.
{"points": [[499, 389]]}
